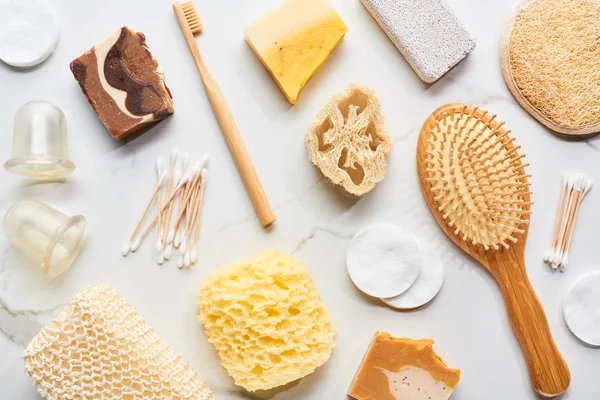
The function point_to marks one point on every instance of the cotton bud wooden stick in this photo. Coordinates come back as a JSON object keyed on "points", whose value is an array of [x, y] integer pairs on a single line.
{"points": [[159, 167], [194, 254], [190, 209], [192, 217], [189, 215], [587, 185], [178, 174], [199, 189], [153, 222], [193, 190], [559, 212], [176, 234], [188, 194], [557, 254], [127, 247], [167, 218]]}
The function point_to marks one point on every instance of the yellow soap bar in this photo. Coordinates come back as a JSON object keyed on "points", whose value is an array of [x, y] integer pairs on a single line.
{"points": [[294, 40]]}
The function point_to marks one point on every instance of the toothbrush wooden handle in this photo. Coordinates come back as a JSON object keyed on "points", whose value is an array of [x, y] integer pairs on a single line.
{"points": [[548, 370], [228, 128]]}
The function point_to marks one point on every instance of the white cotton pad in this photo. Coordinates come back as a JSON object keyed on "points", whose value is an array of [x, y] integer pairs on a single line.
{"points": [[581, 309], [383, 260], [28, 32], [427, 33], [427, 285]]}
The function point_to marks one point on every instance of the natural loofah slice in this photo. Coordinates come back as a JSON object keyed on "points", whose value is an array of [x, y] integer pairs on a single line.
{"points": [[551, 63], [348, 142], [265, 319]]}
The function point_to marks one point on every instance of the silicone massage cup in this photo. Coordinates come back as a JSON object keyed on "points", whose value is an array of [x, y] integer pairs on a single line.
{"points": [[45, 235], [40, 143]]}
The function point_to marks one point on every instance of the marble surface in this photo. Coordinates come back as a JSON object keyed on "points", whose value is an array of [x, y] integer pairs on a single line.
{"points": [[315, 222]]}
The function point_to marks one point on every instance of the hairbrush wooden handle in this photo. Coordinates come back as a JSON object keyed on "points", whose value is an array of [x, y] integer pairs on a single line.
{"points": [[228, 128], [548, 370]]}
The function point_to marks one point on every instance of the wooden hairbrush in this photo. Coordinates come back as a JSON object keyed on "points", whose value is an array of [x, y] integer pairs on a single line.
{"points": [[475, 185]]}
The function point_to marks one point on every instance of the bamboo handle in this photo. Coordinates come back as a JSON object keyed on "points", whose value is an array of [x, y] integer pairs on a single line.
{"points": [[229, 129], [548, 371]]}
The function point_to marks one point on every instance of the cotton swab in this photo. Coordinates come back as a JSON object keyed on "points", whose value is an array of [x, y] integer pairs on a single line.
{"points": [[559, 211], [194, 253], [167, 218], [587, 185], [193, 189], [188, 185], [191, 213], [159, 167], [178, 174], [557, 254], [568, 220], [574, 188], [196, 173], [132, 244], [148, 229], [175, 231], [189, 209]]}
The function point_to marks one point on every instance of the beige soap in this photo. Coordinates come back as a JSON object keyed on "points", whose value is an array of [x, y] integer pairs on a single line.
{"points": [[294, 40], [402, 369]]}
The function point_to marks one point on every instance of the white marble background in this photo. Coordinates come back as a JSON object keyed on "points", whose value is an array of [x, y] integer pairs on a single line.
{"points": [[112, 181]]}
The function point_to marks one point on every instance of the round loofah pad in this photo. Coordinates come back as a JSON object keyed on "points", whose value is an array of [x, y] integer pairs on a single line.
{"points": [[266, 321], [427, 285], [581, 309], [348, 142], [551, 62], [383, 260]]}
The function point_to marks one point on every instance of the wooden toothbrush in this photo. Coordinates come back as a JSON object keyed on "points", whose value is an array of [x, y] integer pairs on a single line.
{"points": [[475, 185], [190, 26]]}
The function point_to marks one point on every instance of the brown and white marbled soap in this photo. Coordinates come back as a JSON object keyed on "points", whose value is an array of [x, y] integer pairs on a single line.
{"points": [[123, 83]]}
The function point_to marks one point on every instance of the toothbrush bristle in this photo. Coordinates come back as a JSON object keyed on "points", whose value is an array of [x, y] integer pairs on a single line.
{"points": [[477, 177], [191, 16]]}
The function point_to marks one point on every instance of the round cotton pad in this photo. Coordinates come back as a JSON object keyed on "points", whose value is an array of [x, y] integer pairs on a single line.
{"points": [[383, 260], [426, 286], [28, 32], [581, 309]]}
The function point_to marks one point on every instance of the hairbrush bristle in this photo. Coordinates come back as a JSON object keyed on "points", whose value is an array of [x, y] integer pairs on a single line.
{"points": [[477, 177], [191, 16]]}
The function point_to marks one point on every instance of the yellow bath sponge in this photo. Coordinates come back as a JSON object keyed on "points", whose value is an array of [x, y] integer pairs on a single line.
{"points": [[266, 321]]}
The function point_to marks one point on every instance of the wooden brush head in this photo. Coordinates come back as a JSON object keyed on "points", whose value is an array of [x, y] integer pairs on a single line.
{"points": [[473, 180], [191, 17]]}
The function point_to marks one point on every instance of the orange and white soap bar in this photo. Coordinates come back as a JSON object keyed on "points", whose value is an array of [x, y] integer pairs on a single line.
{"points": [[294, 40], [402, 369]]}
